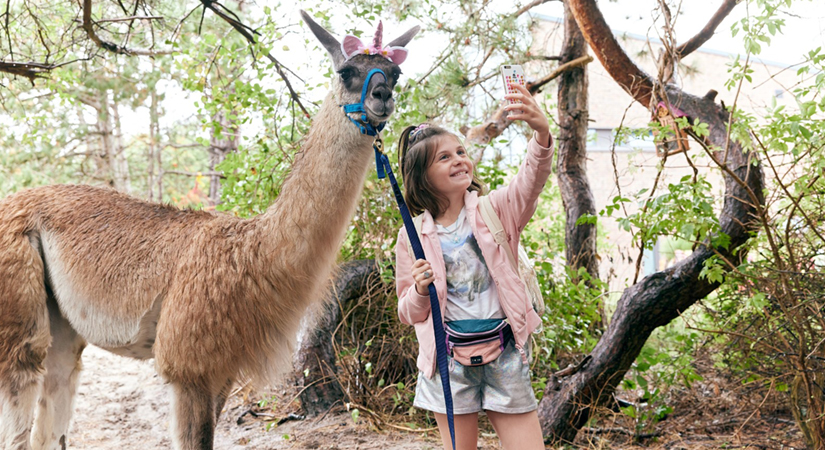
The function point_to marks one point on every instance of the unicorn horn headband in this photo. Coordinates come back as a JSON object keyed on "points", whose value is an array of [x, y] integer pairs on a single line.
{"points": [[352, 46]]}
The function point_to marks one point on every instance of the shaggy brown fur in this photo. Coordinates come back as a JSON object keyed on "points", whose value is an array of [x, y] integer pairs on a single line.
{"points": [[211, 297]]}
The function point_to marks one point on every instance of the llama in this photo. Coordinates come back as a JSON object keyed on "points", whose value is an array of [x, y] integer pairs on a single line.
{"points": [[211, 297]]}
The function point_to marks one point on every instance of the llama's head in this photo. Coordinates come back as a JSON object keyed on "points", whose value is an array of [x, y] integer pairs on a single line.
{"points": [[353, 61]]}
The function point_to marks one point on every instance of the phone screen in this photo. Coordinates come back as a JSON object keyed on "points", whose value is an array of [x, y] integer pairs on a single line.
{"points": [[512, 74]]}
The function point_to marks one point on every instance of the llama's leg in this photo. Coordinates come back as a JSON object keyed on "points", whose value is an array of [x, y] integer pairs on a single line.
{"points": [[54, 409], [220, 399], [193, 422], [24, 338], [18, 395]]}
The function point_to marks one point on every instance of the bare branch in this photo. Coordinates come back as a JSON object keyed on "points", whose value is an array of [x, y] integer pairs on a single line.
{"points": [[707, 32], [29, 70], [32, 70], [179, 25], [194, 174], [8, 34], [530, 6], [811, 224], [621, 68], [545, 58], [127, 19], [88, 26], [435, 66], [580, 61], [183, 145], [249, 34]]}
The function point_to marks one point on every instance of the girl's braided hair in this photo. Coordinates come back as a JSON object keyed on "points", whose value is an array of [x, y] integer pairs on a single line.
{"points": [[416, 152]]}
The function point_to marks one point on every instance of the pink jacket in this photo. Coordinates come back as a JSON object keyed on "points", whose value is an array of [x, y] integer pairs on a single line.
{"points": [[515, 205]]}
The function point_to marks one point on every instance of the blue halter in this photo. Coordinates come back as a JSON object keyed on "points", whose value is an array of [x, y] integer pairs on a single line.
{"points": [[364, 125]]}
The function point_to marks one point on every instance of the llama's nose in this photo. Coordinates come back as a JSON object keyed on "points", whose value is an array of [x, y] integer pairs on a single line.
{"points": [[382, 92]]}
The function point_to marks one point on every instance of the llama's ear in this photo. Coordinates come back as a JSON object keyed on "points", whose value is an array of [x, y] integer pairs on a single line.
{"points": [[404, 39], [327, 40]]}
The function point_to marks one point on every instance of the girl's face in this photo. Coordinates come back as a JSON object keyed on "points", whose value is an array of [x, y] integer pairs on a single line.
{"points": [[451, 172]]}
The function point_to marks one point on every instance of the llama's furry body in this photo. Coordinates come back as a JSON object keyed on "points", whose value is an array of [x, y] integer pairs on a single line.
{"points": [[211, 297], [117, 266]]}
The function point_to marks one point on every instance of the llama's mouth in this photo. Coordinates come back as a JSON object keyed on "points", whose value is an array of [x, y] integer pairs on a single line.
{"points": [[376, 119], [378, 111]]}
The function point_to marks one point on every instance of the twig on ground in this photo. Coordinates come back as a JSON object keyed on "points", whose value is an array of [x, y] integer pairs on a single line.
{"points": [[290, 416], [252, 413], [618, 430]]}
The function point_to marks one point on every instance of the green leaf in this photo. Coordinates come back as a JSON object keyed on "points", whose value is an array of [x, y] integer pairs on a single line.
{"points": [[629, 411], [588, 219], [759, 300]]}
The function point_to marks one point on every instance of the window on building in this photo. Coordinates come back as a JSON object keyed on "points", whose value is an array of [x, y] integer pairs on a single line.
{"points": [[601, 139]]}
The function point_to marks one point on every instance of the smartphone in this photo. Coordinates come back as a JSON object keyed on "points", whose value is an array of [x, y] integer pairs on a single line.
{"points": [[512, 74]]}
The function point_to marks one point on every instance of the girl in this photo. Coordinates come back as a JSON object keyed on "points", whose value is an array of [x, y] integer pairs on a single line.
{"points": [[473, 277]]}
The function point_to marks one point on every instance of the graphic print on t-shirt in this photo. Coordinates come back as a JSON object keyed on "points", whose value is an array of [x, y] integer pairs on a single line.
{"points": [[467, 275], [471, 292]]}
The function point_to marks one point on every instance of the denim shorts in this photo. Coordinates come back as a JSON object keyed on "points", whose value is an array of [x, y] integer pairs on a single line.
{"points": [[502, 385]]}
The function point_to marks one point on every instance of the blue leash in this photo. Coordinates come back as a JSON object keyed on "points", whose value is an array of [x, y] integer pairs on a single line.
{"points": [[383, 166]]}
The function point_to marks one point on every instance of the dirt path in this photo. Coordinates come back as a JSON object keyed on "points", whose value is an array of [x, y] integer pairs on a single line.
{"points": [[123, 404]]}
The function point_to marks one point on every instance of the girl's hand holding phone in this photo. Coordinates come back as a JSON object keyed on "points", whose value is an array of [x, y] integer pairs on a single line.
{"points": [[529, 112]]}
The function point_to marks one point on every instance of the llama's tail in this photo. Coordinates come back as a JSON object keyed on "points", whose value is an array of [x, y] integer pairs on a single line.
{"points": [[24, 323]]}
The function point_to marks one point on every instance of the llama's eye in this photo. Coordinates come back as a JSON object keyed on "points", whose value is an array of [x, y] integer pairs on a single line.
{"points": [[346, 74]]}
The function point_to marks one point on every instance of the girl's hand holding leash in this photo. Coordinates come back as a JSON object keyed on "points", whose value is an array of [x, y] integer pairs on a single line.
{"points": [[531, 113], [422, 273]]}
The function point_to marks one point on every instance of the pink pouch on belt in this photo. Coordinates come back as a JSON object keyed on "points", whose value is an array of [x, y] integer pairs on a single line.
{"points": [[477, 342]]}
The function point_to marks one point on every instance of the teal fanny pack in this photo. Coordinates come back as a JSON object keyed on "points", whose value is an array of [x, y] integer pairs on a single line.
{"points": [[478, 341]]}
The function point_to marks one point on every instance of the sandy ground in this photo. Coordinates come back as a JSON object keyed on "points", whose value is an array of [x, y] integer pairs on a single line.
{"points": [[123, 404]]}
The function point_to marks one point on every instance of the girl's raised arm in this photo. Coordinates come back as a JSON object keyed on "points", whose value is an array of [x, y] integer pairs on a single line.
{"points": [[516, 202]]}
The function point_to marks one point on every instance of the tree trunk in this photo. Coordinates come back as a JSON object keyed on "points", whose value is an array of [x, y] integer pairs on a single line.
{"points": [[123, 181], [660, 297], [224, 140], [153, 157], [579, 240], [158, 149], [315, 360], [112, 165]]}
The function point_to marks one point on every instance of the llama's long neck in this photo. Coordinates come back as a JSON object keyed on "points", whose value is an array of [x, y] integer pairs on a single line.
{"points": [[304, 228]]}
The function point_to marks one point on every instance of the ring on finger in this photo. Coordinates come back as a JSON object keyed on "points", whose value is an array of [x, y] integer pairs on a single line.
{"points": [[426, 275]]}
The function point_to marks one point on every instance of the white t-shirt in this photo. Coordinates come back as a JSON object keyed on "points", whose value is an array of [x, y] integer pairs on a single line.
{"points": [[471, 291]]}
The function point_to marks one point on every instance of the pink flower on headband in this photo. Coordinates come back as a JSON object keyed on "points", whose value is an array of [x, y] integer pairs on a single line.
{"points": [[418, 129], [352, 46]]}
